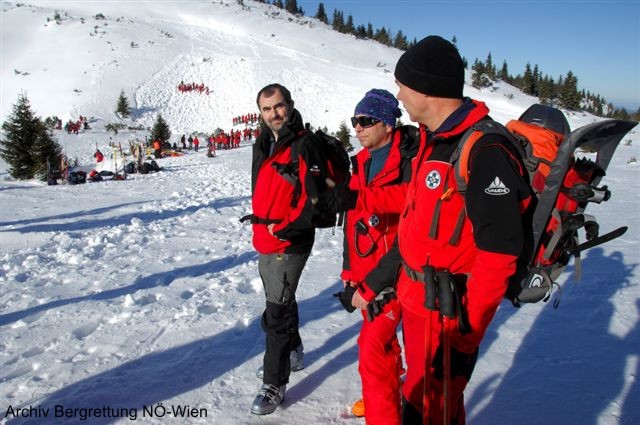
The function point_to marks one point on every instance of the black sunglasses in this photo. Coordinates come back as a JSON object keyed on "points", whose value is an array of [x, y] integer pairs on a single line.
{"points": [[364, 121]]}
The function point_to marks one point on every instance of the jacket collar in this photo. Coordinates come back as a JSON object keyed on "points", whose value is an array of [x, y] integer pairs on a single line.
{"points": [[470, 112], [292, 128]]}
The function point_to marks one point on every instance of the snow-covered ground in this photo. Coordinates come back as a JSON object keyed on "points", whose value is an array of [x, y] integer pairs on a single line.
{"points": [[143, 294]]}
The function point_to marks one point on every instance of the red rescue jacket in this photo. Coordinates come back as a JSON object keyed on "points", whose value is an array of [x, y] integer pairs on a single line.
{"points": [[370, 228], [490, 235], [276, 199]]}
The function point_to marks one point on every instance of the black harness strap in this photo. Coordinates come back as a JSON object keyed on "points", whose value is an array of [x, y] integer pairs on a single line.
{"points": [[253, 219]]}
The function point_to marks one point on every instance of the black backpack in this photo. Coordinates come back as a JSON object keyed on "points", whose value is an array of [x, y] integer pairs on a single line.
{"points": [[77, 177], [336, 167]]}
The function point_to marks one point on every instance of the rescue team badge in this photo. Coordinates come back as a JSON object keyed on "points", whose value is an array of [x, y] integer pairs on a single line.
{"points": [[433, 179], [497, 188]]}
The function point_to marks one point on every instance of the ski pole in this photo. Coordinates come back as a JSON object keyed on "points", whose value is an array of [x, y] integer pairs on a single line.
{"points": [[446, 293], [446, 368], [426, 379]]}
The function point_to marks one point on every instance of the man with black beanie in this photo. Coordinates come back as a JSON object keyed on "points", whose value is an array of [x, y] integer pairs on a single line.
{"points": [[454, 252]]}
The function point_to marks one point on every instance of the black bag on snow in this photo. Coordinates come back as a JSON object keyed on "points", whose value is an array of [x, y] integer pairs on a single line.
{"points": [[77, 177], [145, 168], [130, 168]]}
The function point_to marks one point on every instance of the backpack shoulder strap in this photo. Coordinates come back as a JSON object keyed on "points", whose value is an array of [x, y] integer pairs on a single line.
{"points": [[460, 157], [460, 161], [292, 168], [295, 151], [295, 145]]}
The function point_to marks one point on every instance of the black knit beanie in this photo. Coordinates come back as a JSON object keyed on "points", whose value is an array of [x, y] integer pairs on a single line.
{"points": [[433, 66]]}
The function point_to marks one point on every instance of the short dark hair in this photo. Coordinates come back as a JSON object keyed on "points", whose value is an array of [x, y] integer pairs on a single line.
{"points": [[269, 91]]}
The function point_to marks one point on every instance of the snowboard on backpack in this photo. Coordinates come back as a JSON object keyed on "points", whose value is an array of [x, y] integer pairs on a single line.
{"points": [[564, 185]]}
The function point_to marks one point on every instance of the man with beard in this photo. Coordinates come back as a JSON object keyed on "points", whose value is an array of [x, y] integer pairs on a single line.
{"points": [[283, 234]]}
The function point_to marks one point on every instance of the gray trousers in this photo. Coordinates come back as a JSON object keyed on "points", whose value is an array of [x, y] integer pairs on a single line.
{"points": [[280, 274]]}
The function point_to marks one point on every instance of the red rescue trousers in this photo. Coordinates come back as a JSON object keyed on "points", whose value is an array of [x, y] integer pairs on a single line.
{"points": [[380, 366], [422, 388]]}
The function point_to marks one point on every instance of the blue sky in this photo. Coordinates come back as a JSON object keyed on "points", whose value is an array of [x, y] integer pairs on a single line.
{"points": [[599, 41]]}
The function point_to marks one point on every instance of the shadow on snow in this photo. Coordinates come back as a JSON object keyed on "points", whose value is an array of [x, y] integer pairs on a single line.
{"points": [[66, 216], [569, 367], [151, 281], [125, 219], [160, 376]]}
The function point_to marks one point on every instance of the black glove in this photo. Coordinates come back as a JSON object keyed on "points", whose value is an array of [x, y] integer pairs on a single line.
{"points": [[462, 364], [338, 199], [345, 298], [375, 307]]}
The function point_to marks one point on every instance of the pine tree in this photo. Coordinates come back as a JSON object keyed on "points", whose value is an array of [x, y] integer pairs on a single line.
{"points": [[382, 36], [599, 106], [569, 96], [536, 79], [122, 107], [545, 90], [291, 6], [361, 32], [349, 28], [585, 100], [504, 72], [160, 130], [489, 69], [480, 78], [391, 38], [344, 136], [400, 42], [279, 4], [321, 15], [28, 145], [516, 81], [528, 86], [338, 20], [45, 152], [370, 31]]}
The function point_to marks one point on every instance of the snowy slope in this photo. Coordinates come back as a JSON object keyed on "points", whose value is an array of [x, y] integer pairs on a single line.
{"points": [[233, 51], [143, 292]]}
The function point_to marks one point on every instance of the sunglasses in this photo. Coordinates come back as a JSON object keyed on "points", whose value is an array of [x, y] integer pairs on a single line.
{"points": [[364, 121]]}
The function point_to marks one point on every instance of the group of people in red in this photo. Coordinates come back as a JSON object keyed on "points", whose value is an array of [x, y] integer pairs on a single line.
{"points": [[220, 139], [75, 126], [200, 88], [251, 118], [232, 139], [192, 143]]}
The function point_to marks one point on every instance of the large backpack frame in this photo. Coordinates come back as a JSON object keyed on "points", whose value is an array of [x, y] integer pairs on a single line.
{"points": [[563, 185]]}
